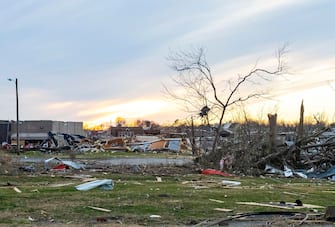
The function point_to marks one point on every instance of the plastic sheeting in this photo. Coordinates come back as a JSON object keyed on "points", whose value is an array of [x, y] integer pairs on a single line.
{"points": [[105, 184]]}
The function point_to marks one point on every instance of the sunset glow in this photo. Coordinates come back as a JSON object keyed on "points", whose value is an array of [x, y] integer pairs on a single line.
{"points": [[137, 110]]}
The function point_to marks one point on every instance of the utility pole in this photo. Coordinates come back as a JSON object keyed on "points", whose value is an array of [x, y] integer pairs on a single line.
{"points": [[17, 116]]}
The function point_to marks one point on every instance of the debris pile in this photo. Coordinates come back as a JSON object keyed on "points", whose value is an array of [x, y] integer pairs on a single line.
{"points": [[255, 150], [60, 142], [312, 156]]}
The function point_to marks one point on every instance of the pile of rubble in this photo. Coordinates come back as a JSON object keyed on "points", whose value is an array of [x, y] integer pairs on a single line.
{"points": [[136, 144], [80, 144], [312, 156]]}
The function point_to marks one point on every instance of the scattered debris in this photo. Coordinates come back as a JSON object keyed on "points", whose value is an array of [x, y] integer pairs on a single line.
{"points": [[159, 179], [231, 183], [99, 209], [17, 190], [273, 170], [310, 173], [136, 143], [298, 202], [216, 172], [327, 174], [101, 219], [27, 168], [262, 218], [288, 172], [223, 209], [216, 200], [60, 167], [282, 205], [105, 184], [312, 152], [31, 219], [6, 146], [62, 164]]}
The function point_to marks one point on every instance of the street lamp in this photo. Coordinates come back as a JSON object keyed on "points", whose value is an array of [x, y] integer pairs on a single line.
{"points": [[17, 116]]}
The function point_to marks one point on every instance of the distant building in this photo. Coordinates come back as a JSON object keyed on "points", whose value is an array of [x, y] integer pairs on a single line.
{"points": [[35, 132], [126, 131], [5, 128]]}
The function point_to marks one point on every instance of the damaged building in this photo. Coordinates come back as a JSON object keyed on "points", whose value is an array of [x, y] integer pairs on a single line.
{"points": [[33, 133], [5, 128]]}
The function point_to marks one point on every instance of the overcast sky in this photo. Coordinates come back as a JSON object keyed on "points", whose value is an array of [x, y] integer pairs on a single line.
{"points": [[91, 61]]}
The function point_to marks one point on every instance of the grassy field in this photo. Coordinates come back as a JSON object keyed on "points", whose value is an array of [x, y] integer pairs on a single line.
{"points": [[50, 198]]}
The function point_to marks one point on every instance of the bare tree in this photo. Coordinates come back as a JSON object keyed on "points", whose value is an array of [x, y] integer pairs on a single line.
{"points": [[320, 119], [199, 87]]}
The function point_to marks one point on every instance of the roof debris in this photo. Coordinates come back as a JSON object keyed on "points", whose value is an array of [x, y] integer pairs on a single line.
{"points": [[105, 184]]}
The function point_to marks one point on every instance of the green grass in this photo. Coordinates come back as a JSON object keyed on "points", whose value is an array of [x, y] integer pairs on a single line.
{"points": [[135, 197], [178, 199]]}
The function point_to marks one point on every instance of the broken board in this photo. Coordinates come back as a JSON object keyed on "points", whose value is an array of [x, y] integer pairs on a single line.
{"points": [[281, 206]]}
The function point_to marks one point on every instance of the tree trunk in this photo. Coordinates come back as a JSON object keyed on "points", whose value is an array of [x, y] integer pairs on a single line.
{"points": [[300, 133], [273, 132]]}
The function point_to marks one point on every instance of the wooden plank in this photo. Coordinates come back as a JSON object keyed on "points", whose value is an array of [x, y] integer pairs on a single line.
{"points": [[223, 209], [216, 200], [99, 209], [277, 205], [17, 190]]}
